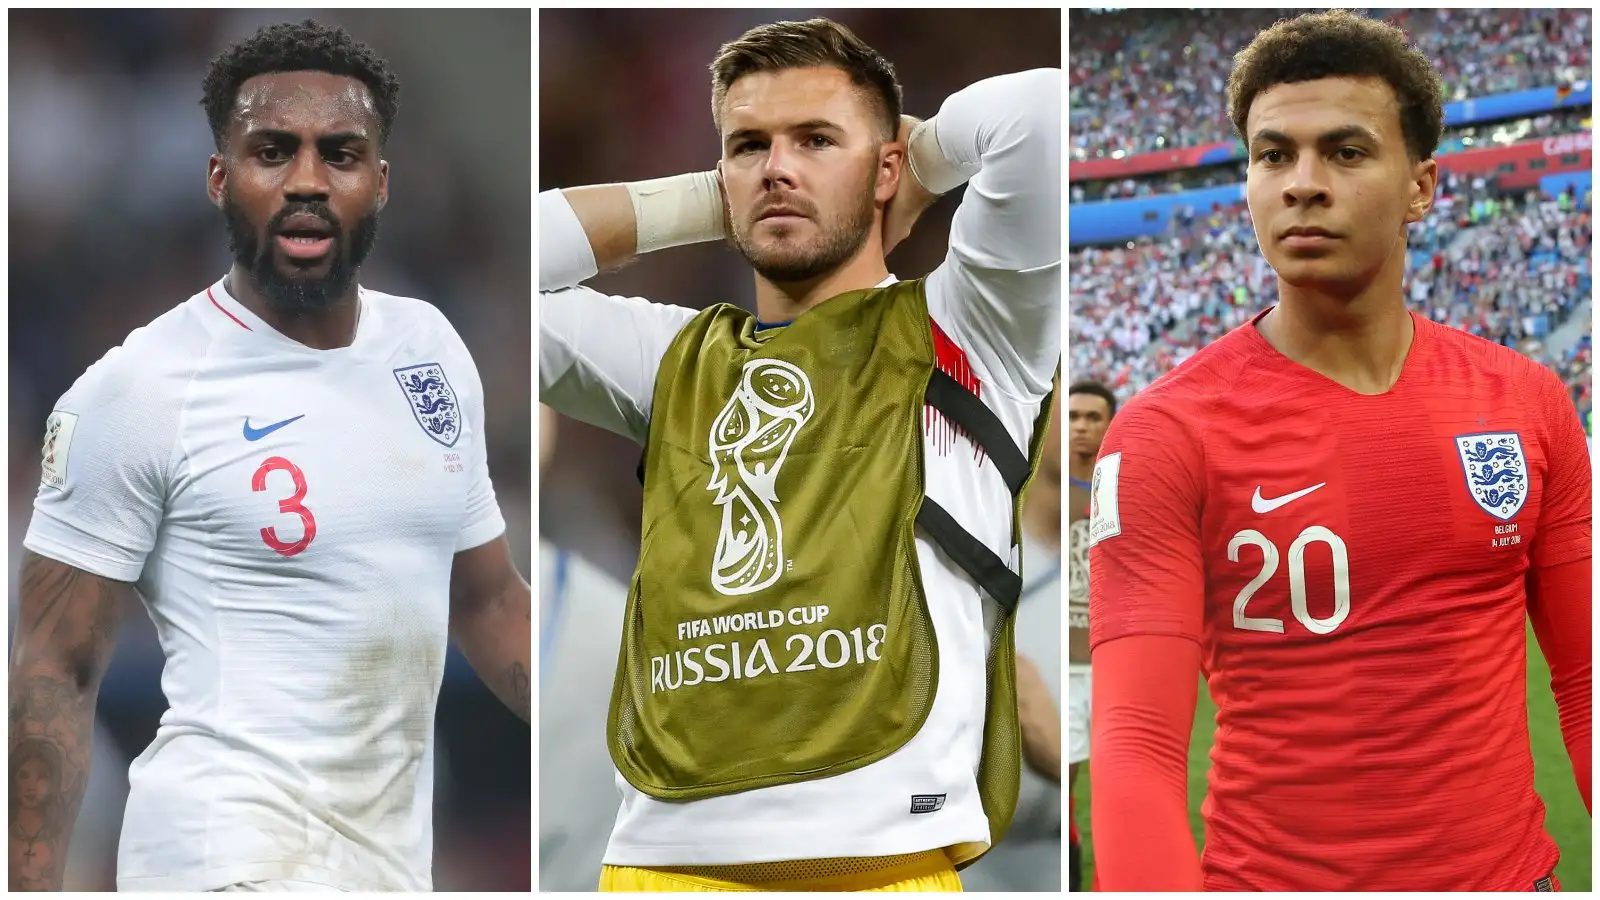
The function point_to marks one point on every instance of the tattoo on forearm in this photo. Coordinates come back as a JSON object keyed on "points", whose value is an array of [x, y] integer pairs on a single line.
{"points": [[521, 689], [66, 629], [43, 787]]}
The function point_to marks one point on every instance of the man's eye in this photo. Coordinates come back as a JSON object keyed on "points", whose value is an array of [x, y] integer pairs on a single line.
{"points": [[1270, 156], [818, 141]]}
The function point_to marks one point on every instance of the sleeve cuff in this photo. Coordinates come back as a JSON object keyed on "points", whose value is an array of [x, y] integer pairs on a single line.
{"points": [[565, 257], [481, 532], [81, 550], [929, 165]]}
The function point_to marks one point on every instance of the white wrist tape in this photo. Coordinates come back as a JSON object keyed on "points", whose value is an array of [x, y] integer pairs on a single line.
{"points": [[682, 209], [928, 164]]}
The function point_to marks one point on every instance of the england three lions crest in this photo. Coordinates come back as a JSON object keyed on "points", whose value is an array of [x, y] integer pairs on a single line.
{"points": [[433, 401], [1496, 470]]}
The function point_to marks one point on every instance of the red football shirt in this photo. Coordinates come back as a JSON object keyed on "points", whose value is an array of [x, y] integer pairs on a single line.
{"points": [[1351, 574]]}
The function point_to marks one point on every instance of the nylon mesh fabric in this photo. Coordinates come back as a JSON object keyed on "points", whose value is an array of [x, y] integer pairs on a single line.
{"points": [[777, 628]]}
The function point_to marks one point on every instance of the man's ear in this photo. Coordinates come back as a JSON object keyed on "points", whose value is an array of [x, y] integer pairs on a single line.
{"points": [[891, 168], [1424, 184], [383, 184], [216, 180]]}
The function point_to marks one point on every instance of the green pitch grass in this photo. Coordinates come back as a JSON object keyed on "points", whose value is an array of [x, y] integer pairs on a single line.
{"points": [[1565, 818]]}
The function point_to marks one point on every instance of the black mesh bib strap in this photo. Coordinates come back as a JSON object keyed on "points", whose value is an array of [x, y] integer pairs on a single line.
{"points": [[987, 569], [964, 410]]}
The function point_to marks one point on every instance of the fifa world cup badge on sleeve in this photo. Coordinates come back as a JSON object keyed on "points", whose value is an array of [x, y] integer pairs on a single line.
{"points": [[1496, 471], [433, 401], [57, 442], [1105, 521]]}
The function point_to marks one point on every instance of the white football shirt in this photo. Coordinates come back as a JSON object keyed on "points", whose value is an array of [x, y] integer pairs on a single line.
{"points": [[580, 614], [996, 308], [290, 517]]}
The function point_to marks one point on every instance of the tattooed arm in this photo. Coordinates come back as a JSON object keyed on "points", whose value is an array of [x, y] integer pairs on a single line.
{"points": [[491, 618], [66, 629]]}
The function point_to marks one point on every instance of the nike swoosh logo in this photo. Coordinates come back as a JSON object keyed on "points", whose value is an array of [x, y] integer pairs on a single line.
{"points": [[256, 434], [1262, 506]]}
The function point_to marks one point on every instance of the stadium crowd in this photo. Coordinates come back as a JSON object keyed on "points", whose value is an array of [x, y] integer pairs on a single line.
{"points": [[1148, 80], [1159, 183], [1454, 140], [1512, 268]]}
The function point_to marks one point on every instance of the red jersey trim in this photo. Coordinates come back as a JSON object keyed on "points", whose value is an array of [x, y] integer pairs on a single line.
{"points": [[950, 359], [224, 311]]}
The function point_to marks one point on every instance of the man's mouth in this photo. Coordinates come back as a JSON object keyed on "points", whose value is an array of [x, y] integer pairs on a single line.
{"points": [[1307, 237], [305, 236], [780, 214], [304, 247]]}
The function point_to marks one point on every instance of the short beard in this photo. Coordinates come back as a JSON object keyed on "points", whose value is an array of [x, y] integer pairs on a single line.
{"points": [[298, 295], [842, 237]]}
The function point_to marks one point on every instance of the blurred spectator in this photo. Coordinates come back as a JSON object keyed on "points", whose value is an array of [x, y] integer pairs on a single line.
{"points": [[1454, 140], [111, 227], [1029, 858], [580, 631], [1156, 79], [1510, 268]]}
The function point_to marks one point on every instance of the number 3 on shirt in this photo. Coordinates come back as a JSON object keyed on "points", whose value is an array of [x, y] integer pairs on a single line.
{"points": [[290, 505], [1297, 580]]}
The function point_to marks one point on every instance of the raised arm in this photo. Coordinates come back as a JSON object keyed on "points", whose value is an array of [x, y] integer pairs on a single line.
{"points": [[598, 354], [1146, 601], [66, 628], [1000, 284], [606, 215], [597, 228], [1561, 578]]}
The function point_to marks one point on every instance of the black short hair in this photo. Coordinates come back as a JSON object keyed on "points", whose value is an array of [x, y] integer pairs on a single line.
{"points": [[304, 47], [1098, 390], [1335, 44]]}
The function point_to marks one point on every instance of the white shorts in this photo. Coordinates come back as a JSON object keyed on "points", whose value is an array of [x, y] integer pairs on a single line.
{"points": [[1078, 687]]}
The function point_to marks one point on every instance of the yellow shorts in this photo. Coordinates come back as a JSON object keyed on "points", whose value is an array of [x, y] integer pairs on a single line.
{"points": [[929, 871]]}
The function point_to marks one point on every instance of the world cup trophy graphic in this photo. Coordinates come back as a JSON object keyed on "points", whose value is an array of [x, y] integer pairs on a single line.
{"points": [[750, 439]]}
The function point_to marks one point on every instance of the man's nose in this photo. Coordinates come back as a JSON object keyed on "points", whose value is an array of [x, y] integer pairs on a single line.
{"points": [[308, 176], [780, 165], [1308, 182]]}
